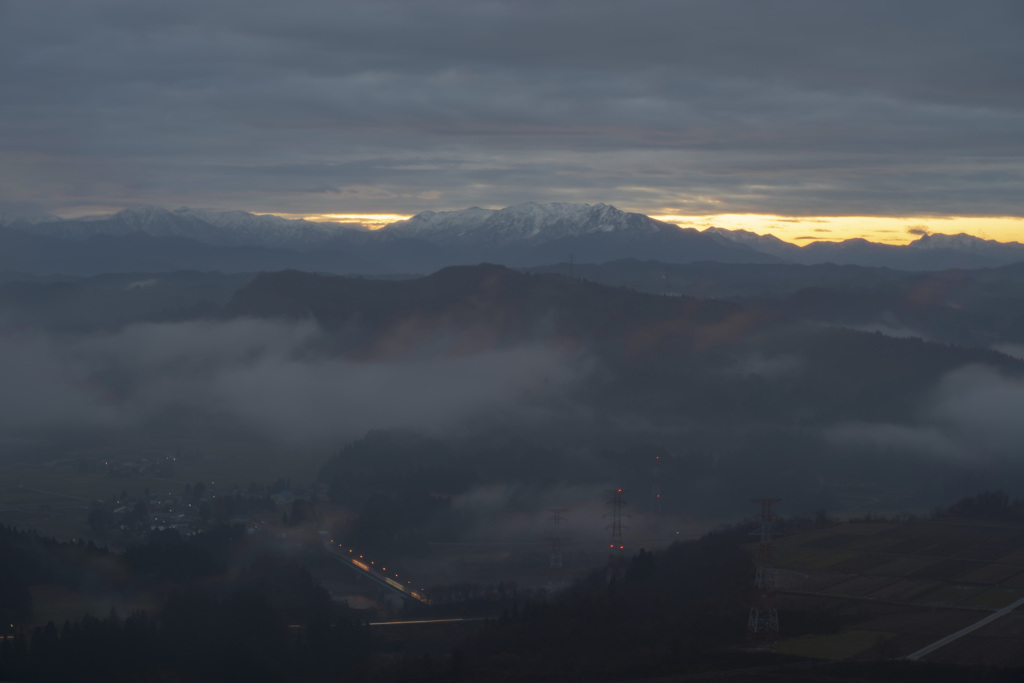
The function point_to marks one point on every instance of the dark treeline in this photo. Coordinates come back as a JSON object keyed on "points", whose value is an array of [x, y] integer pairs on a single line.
{"points": [[674, 612], [664, 612], [165, 558], [196, 637], [232, 609], [223, 559], [26, 558], [996, 506]]}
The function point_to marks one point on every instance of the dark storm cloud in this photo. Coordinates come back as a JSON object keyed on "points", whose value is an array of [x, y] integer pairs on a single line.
{"points": [[783, 107]]}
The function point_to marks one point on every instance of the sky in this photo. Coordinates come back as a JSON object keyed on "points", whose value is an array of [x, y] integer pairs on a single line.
{"points": [[797, 117]]}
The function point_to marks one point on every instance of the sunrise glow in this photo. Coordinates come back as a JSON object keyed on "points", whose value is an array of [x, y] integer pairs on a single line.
{"points": [[373, 221], [885, 229], [795, 229]]}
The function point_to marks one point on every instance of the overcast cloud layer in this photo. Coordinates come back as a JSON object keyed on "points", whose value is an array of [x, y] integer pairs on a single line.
{"points": [[790, 107]]}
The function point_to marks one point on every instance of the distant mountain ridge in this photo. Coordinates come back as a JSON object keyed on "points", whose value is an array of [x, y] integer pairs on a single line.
{"points": [[216, 228], [524, 235], [528, 223], [928, 252]]}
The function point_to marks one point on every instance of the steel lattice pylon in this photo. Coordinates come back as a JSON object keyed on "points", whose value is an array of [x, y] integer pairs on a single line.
{"points": [[616, 548], [763, 620], [555, 567]]}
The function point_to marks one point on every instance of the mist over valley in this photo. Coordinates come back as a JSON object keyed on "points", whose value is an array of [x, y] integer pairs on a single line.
{"points": [[803, 390]]}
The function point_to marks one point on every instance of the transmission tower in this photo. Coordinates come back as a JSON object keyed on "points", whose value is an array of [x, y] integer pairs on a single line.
{"points": [[616, 549], [763, 622], [656, 486], [555, 572]]}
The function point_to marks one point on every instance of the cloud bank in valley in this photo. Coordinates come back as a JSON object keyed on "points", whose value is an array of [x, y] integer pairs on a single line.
{"points": [[273, 377], [972, 413], [984, 409]]}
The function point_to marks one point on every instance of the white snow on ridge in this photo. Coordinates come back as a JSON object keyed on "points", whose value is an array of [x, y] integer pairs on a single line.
{"points": [[514, 230], [962, 242], [529, 223], [768, 244]]}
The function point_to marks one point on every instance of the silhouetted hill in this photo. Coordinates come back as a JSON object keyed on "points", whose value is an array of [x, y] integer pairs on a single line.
{"points": [[969, 307], [706, 279], [479, 306], [903, 257], [663, 356]]}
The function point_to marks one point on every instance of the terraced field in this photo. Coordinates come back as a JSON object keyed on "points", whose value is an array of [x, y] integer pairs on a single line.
{"points": [[902, 586]]}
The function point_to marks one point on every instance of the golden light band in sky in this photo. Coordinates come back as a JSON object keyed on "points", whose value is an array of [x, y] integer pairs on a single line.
{"points": [[885, 229], [795, 229], [373, 221]]}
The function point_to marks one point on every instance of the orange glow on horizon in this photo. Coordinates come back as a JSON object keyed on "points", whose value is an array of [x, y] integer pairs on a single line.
{"points": [[884, 229], [794, 229], [371, 221]]}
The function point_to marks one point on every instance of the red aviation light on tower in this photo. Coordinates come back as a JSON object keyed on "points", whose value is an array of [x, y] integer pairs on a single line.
{"points": [[616, 560]]}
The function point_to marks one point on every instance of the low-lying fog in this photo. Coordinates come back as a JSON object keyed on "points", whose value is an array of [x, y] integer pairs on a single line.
{"points": [[276, 378], [288, 383]]}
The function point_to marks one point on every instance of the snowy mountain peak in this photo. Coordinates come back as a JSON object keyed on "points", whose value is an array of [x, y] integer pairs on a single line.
{"points": [[523, 234], [529, 223], [769, 244], [743, 236], [961, 242]]}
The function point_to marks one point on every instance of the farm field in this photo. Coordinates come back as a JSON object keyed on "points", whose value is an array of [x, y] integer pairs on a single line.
{"points": [[899, 587]]}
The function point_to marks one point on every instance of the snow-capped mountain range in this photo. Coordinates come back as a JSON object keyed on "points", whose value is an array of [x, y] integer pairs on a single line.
{"points": [[527, 234], [528, 223]]}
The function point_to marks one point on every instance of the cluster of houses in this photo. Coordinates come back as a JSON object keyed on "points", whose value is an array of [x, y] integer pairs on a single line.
{"points": [[187, 511]]}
